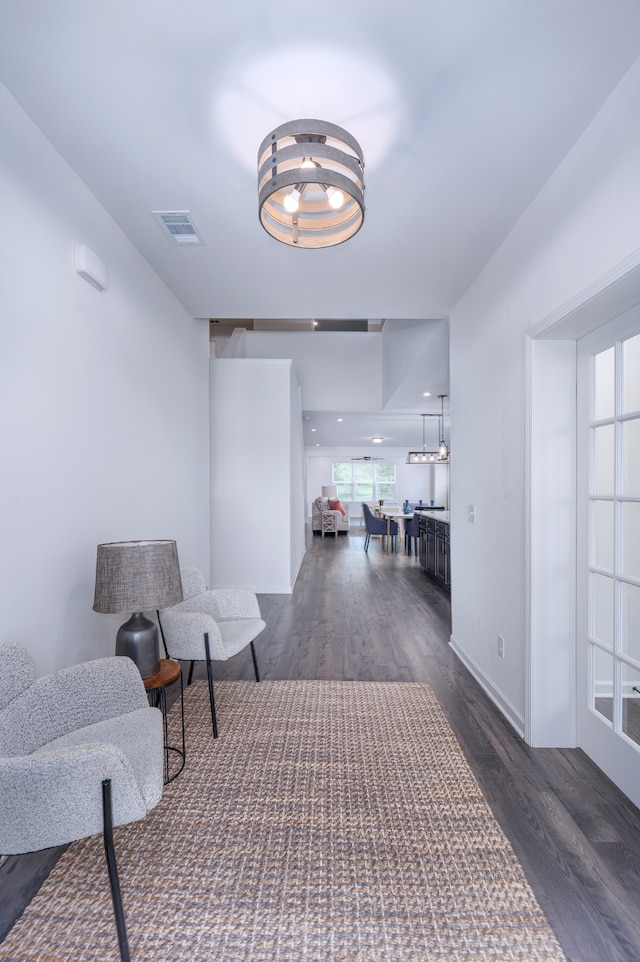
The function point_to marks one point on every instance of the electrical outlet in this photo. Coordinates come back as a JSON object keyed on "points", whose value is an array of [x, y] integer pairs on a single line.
{"points": [[500, 646], [471, 514]]}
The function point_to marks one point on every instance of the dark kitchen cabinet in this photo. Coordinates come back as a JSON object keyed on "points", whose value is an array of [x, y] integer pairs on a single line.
{"points": [[435, 549]]}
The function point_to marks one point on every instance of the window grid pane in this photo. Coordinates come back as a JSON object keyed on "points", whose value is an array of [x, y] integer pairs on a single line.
{"points": [[604, 385], [602, 535], [631, 375], [364, 480], [602, 608], [631, 458], [602, 682], [630, 620], [630, 539], [603, 459], [631, 703]]}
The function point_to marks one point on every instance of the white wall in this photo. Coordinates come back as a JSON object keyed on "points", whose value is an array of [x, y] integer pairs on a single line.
{"points": [[584, 223], [257, 517], [297, 479], [414, 352], [103, 429], [338, 371], [360, 372]]}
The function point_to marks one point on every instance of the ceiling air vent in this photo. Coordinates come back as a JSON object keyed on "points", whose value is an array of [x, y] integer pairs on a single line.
{"points": [[178, 226]]}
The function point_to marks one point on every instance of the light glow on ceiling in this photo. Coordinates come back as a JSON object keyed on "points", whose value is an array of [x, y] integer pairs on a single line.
{"points": [[336, 84]]}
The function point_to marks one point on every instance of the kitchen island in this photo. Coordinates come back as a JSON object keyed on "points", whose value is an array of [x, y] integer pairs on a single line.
{"points": [[435, 547]]}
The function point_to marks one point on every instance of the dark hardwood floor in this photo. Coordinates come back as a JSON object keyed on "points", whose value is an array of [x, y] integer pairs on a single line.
{"points": [[377, 617]]}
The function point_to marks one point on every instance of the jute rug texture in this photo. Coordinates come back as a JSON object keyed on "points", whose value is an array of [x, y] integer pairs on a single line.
{"points": [[330, 820]]}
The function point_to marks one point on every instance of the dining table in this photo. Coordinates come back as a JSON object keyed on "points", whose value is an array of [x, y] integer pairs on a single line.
{"points": [[398, 516]]}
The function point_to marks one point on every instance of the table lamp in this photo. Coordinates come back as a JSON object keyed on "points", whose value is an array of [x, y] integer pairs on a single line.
{"points": [[137, 576], [330, 491]]}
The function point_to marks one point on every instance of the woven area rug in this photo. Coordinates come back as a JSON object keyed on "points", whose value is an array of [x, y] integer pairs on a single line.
{"points": [[330, 821]]}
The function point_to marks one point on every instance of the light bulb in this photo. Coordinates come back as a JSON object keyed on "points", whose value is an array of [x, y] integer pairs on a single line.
{"points": [[336, 198], [291, 201], [307, 162]]}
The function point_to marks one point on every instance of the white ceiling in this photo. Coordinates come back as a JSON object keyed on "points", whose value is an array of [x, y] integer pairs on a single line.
{"points": [[463, 108], [356, 431]]}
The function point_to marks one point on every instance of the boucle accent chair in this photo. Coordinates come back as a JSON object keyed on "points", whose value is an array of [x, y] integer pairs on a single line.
{"points": [[210, 625], [80, 752]]}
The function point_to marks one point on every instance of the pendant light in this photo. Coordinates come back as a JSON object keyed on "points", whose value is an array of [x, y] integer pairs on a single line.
{"points": [[424, 456], [443, 452]]}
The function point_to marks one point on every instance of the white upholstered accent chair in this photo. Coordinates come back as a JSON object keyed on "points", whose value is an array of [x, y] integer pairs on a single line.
{"points": [[319, 512], [80, 752], [210, 625]]}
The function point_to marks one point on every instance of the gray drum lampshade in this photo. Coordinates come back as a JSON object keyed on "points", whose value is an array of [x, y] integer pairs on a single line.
{"points": [[137, 576]]}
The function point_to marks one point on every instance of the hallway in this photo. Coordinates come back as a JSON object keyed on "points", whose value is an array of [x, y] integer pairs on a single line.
{"points": [[376, 616]]}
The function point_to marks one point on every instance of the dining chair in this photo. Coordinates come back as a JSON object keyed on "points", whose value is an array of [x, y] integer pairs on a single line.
{"points": [[375, 525], [411, 532]]}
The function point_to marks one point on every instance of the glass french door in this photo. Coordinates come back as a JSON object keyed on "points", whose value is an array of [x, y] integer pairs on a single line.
{"points": [[608, 591]]}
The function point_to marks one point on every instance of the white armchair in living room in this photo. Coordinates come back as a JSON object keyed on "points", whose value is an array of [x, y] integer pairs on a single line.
{"points": [[327, 516]]}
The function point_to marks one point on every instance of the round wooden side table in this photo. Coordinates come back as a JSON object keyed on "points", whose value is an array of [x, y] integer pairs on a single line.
{"points": [[156, 688]]}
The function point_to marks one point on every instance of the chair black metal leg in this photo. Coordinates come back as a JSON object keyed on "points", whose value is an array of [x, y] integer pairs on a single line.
{"points": [[366, 541], [255, 662], [164, 643], [107, 817], [190, 673], [210, 680]]}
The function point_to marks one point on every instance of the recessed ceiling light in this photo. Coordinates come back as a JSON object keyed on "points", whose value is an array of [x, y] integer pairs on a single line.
{"points": [[377, 440], [313, 429], [427, 394], [340, 419]]}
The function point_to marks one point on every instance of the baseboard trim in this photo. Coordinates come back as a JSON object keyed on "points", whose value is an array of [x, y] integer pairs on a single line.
{"points": [[502, 703]]}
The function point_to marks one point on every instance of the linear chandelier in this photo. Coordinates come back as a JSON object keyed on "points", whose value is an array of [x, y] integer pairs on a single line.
{"points": [[310, 184], [441, 456], [424, 456]]}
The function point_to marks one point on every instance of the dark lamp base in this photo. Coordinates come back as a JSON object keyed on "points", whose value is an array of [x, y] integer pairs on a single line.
{"points": [[138, 640]]}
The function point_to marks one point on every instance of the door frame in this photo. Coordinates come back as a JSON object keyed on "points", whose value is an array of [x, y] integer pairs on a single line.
{"points": [[551, 508]]}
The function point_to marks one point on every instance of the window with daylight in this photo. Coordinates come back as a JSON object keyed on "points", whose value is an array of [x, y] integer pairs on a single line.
{"points": [[365, 480]]}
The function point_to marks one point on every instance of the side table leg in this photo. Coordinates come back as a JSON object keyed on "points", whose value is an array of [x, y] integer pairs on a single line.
{"points": [[182, 753], [162, 698]]}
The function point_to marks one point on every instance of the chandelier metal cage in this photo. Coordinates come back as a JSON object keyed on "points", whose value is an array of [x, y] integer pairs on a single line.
{"points": [[310, 184], [424, 456]]}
